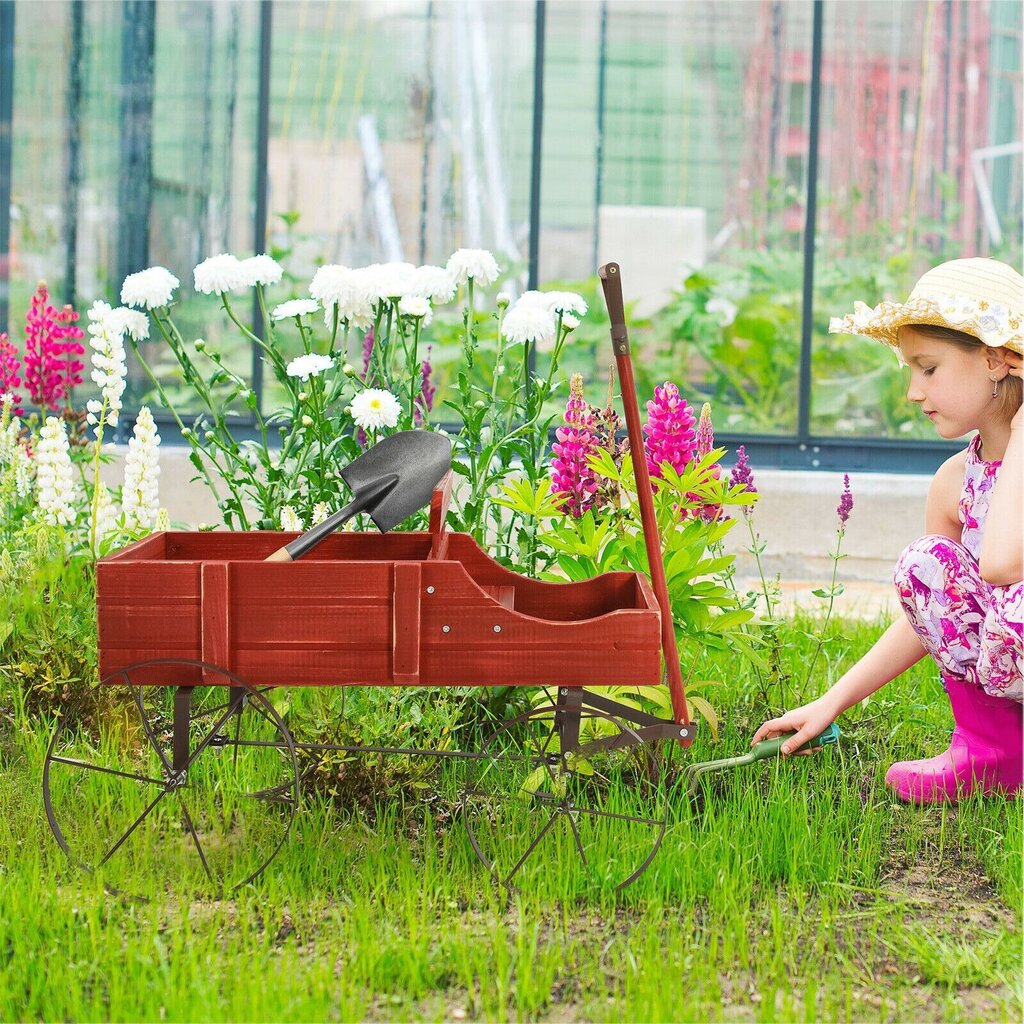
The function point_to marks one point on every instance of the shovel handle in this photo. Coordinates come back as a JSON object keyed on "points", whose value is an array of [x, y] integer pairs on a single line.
{"points": [[772, 747], [611, 284]]}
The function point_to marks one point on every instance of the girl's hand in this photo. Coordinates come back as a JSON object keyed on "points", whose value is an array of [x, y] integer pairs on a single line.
{"points": [[807, 722]]}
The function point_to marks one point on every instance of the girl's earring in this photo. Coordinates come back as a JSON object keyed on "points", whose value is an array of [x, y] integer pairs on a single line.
{"points": [[995, 387]]}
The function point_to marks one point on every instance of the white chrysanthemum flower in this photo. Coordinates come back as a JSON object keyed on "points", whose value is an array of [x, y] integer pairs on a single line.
{"points": [[108, 361], [129, 321], [308, 366], [415, 306], [139, 497], [321, 510], [528, 322], [220, 273], [722, 310], [149, 288], [502, 299], [557, 302], [335, 285], [477, 264], [569, 322], [387, 281], [295, 307], [434, 283], [290, 520], [375, 408], [262, 269], [55, 479]]}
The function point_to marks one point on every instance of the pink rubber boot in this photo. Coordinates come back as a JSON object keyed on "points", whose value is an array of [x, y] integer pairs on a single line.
{"points": [[987, 751]]}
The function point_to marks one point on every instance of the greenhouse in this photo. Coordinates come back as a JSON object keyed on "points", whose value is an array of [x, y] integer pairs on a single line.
{"points": [[454, 452]]}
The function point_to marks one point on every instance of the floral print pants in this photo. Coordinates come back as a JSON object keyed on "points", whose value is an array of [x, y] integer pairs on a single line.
{"points": [[972, 629]]}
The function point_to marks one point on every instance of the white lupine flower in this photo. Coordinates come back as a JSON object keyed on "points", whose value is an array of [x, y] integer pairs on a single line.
{"points": [[108, 361], [414, 305], [477, 264], [434, 283], [321, 510], [308, 366], [55, 480], [163, 521], [528, 322], [557, 302], [375, 408], [261, 269], [105, 517], [9, 443], [295, 307], [21, 467], [290, 520], [149, 288], [139, 497], [722, 309], [220, 273]]}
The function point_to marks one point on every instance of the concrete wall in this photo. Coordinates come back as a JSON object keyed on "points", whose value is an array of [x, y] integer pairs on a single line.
{"points": [[795, 515]]}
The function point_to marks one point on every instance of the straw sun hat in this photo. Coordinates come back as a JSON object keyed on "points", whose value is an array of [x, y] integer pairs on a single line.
{"points": [[981, 297]]}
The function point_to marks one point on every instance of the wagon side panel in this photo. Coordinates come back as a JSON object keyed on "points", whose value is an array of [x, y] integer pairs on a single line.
{"points": [[147, 610], [311, 623], [470, 636]]}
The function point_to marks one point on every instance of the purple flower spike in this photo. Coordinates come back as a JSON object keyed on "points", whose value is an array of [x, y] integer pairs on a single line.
{"points": [[845, 501], [367, 352], [741, 472]]}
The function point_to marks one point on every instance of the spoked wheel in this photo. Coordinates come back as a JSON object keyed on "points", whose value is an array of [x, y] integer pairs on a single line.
{"points": [[533, 812], [154, 803]]}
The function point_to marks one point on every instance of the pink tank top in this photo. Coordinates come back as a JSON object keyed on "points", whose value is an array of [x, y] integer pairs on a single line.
{"points": [[979, 479]]}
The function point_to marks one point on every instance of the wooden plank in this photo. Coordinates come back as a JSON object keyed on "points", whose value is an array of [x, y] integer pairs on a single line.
{"points": [[405, 625], [216, 625], [151, 547]]}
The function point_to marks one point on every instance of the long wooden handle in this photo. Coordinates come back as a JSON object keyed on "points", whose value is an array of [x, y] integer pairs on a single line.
{"points": [[612, 285]]}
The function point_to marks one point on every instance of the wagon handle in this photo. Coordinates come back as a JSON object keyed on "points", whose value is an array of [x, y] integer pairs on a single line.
{"points": [[611, 283]]}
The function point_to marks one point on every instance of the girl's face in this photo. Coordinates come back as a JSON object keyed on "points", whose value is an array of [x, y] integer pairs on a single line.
{"points": [[950, 383]]}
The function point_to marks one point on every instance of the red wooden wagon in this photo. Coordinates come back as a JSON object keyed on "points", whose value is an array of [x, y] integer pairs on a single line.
{"points": [[202, 637]]}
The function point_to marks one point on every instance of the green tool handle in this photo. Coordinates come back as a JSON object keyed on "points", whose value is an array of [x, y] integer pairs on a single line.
{"points": [[772, 747]]}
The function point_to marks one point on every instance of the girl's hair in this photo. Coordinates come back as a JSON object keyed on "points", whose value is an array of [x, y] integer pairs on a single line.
{"points": [[1011, 389]]}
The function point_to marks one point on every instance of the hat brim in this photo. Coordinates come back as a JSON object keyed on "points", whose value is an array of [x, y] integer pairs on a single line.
{"points": [[992, 324]]}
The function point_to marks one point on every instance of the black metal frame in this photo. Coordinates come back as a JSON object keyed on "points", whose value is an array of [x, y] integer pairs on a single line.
{"points": [[801, 450]]}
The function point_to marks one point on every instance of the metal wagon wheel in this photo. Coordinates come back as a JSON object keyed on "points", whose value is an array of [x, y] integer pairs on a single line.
{"points": [[151, 804], [534, 808]]}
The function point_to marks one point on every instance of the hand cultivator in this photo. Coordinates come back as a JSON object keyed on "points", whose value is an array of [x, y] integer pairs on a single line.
{"points": [[196, 769]]}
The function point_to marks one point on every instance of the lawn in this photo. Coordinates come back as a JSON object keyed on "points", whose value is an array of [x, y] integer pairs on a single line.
{"points": [[791, 891]]}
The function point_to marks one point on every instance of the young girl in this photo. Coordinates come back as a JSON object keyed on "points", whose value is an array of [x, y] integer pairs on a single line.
{"points": [[961, 334]]}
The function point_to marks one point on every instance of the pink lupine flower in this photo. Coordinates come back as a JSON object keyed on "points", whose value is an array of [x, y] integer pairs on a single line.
{"points": [[571, 475], [669, 429], [51, 347], [9, 366], [704, 442]]}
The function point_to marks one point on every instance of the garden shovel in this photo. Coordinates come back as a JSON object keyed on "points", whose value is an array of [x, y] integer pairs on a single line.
{"points": [[766, 748], [390, 482]]}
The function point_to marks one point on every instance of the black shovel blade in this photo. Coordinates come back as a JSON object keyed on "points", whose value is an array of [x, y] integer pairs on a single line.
{"points": [[417, 458]]}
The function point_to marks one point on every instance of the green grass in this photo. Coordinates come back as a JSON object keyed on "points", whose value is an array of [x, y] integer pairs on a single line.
{"points": [[800, 891]]}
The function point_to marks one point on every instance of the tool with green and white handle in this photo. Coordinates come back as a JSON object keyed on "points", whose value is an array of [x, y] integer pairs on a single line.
{"points": [[765, 749]]}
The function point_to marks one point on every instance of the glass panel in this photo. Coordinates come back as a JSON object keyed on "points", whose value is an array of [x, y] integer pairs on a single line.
{"points": [[691, 175], [921, 98]]}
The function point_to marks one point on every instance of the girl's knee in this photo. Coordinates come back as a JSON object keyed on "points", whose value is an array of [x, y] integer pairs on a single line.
{"points": [[927, 561]]}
